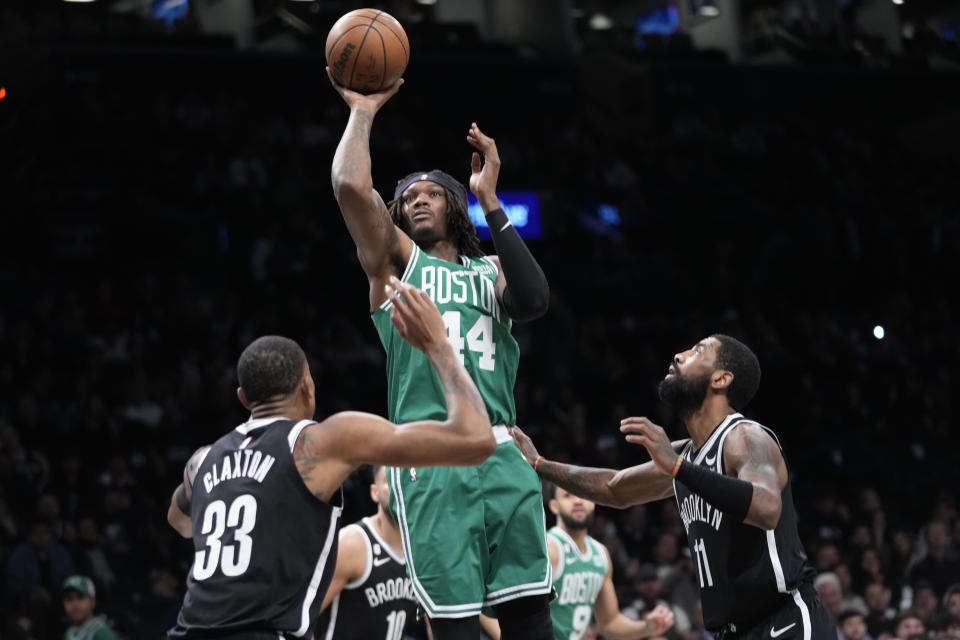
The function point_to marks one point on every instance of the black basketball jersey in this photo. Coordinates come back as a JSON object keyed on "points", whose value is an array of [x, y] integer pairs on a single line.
{"points": [[744, 572], [380, 604], [265, 547]]}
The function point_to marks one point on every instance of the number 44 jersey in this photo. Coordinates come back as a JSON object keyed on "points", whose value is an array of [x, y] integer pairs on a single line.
{"points": [[477, 328], [264, 546]]}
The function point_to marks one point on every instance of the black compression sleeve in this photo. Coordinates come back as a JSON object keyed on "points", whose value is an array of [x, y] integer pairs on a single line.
{"points": [[730, 495], [527, 295], [183, 502]]}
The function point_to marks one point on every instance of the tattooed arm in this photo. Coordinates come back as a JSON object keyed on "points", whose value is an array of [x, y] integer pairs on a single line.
{"points": [[751, 455], [382, 247], [634, 485]]}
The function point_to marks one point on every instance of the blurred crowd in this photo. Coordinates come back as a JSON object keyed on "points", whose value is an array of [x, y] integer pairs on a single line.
{"points": [[166, 224]]}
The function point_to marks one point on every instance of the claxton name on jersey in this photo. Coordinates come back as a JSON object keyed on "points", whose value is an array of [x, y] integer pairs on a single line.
{"points": [[695, 509], [444, 285], [248, 463], [389, 590]]}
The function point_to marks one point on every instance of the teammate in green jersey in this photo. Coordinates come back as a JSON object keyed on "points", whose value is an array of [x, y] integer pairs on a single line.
{"points": [[473, 538], [583, 579]]}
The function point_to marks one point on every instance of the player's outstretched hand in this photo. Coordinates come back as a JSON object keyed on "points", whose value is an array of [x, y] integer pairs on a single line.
{"points": [[653, 438], [484, 167], [659, 620], [371, 102], [415, 316], [525, 444]]}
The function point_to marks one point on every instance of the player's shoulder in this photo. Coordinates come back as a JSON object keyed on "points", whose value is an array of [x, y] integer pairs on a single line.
{"points": [[352, 538]]}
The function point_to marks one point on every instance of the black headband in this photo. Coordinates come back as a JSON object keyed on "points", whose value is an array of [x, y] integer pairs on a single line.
{"points": [[445, 180]]}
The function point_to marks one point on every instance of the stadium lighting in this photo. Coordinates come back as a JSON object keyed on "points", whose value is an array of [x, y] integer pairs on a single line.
{"points": [[708, 10], [897, 1], [426, 1], [600, 22], [84, 1], [878, 332]]}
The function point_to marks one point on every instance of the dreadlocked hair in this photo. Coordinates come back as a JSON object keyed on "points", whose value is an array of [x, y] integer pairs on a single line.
{"points": [[459, 225]]}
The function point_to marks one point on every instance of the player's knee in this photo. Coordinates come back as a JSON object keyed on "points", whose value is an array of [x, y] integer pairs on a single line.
{"points": [[527, 618]]}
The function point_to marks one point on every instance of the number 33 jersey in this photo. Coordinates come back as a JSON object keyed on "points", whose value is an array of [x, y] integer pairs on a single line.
{"points": [[264, 546], [477, 328], [745, 573]]}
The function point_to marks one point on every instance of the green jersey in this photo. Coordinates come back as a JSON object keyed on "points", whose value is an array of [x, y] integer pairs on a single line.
{"points": [[577, 580], [94, 629], [477, 327]]}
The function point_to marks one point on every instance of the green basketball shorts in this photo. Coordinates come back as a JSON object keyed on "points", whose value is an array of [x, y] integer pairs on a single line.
{"points": [[473, 537]]}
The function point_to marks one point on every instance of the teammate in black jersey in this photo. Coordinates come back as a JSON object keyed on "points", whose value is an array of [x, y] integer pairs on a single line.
{"points": [[263, 503], [370, 595], [733, 491]]}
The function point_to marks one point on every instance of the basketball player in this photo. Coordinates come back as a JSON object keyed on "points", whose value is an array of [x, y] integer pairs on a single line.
{"points": [[583, 579], [263, 503], [473, 538], [370, 595], [733, 491]]}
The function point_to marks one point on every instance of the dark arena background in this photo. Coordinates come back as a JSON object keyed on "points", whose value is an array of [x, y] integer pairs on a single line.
{"points": [[782, 171]]}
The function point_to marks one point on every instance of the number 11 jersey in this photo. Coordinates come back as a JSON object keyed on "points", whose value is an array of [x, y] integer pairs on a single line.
{"points": [[745, 573], [264, 546], [477, 327]]}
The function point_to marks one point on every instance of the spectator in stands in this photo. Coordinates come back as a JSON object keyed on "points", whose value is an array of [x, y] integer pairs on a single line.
{"points": [[880, 614], [79, 601], [940, 565], [907, 624], [853, 626]]}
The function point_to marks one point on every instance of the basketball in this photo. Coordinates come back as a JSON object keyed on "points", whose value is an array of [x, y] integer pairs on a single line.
{"points": [[367, 50]]}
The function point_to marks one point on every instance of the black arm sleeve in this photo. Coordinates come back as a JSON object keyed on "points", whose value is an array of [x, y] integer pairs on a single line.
{"points": [[527, 295], [730, 495]]}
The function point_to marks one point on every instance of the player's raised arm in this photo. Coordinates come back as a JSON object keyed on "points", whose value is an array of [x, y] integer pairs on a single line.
{"points": [[521, 285], [758, 474], [381, 246], [634, 485]]}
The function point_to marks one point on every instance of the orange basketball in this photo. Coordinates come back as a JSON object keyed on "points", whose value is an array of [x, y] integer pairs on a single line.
{"points": [[367, 50]]}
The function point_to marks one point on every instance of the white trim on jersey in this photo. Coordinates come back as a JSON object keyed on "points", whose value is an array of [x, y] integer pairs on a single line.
{"points": [[334, 609], [775, 561], [713, 436], [366, 572], [386, 547], [804, 614], [252, 423], [295, 431], [492, 263], [318, 571], [585, 557], [414, 255]]}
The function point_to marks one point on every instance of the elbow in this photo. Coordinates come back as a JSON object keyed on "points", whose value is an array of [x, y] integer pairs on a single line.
{"points": [[768, 518], [484, 448], [346, 187]]}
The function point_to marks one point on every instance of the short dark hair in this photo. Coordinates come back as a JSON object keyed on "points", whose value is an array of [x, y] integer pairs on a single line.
{"points": [[846, 614], [270, 367], [549, 490], [737, 358]]}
